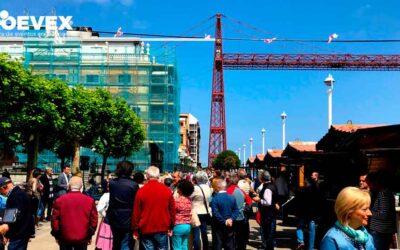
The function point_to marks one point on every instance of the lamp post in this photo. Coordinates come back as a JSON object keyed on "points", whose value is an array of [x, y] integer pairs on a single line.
{"points": [[251, 146], [329, 83], [244, 155], [239, 153], [263, 137], [283, 117]]}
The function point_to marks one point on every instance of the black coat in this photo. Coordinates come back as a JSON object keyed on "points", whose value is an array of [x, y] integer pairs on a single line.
{"points": [[122, 197], [46, 186], [24, 227], [309, 202]]}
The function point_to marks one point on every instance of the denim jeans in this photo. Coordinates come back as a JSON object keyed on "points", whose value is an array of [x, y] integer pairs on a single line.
{"points": [[122, 239], [154, 241], [21, 244], [311, 232], [180, 237]]}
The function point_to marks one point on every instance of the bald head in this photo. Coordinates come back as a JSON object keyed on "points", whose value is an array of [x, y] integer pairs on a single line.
{"points": [[75, 183]]}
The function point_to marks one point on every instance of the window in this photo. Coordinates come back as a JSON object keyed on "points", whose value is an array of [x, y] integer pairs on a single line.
{"points": [[92, 78], [124, 78]]}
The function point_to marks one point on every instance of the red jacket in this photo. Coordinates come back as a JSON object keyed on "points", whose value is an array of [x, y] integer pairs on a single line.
{"points": [[154, 209], [74, 218]]}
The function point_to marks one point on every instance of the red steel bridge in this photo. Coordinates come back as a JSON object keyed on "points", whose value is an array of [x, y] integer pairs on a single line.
{"points": [[237, 61]]}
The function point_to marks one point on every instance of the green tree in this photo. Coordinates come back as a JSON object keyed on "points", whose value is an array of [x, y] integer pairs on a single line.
{"points": [[30, 105], [119, 131], [226, 160], [79, 116], [13, 78]]}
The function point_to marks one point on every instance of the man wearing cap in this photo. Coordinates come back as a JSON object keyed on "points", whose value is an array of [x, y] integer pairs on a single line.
{"points": [[21, 230]]}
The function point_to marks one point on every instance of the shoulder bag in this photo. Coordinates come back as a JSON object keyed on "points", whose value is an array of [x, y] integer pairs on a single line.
{"points": [[208, 216]]}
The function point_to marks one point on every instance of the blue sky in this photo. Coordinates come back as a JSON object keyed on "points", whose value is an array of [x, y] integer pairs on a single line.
{"points": [[255, 99]]}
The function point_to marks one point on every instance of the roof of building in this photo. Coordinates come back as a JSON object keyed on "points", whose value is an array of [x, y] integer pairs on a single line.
{"points": [[302, 146], [338, 133], [260, 157], [350, 128], [192, 119], [274, 153], [251, 159]]}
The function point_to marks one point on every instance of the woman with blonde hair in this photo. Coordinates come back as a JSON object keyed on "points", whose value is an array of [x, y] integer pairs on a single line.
{"points": [[352, 211]]}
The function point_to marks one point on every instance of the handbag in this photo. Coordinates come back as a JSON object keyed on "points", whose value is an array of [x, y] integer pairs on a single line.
{"points": [[208, 216], [195, 221], [104, 238]]}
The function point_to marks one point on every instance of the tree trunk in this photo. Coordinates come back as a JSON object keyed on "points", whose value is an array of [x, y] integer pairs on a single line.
{"points": [[32, 152], [62, 162], [76, 158], [103, 167]]}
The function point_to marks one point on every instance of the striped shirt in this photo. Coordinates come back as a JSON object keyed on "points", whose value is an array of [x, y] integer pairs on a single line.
{"points": [[383, 219]]}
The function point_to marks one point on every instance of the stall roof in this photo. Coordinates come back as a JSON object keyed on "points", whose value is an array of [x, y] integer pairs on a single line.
{"points": [[375, 138], [274, 153], [338, 133], [251, 159], [299, 147]]}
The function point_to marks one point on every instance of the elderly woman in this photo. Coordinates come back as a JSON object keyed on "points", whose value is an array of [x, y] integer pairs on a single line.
{"points": [[352, 211], [201, 206]]}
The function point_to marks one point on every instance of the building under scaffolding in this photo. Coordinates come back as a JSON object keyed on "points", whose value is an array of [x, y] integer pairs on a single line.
{"points": [[125, 67]]}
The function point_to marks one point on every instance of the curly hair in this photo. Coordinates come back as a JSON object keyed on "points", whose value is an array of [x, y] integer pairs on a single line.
{"points": [[185, 187]]}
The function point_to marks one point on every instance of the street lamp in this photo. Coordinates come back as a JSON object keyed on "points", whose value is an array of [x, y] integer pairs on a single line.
{"points": [[329, 83], [244, 155], [251, 146], [239, 153], [262, 136], [283, 117]]}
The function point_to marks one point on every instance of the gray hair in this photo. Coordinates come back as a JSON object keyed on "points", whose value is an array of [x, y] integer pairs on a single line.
{"points": [[221, 184], [201, 177], [153, 172], [266, 176], [75, 184], [234, 178]]}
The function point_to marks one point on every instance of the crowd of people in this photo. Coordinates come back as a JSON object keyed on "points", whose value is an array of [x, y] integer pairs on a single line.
{"points": [[176, 211]]}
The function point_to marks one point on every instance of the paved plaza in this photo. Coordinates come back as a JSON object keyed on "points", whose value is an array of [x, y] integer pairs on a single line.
{"points": [[285, 238]]}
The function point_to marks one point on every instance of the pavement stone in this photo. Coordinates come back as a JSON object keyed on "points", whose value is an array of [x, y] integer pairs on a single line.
{"points": [[286, 237]]}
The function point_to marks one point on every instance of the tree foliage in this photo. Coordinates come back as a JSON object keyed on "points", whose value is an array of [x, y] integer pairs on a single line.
{"points": [[38, 114], [226, 160], [119, 131]]}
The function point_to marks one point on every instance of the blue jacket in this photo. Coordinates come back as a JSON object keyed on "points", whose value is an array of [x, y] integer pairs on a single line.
{"points": [[224, 207], [337, 239]]}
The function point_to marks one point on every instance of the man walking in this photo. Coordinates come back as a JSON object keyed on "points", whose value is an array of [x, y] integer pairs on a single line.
{"points": [[74, 219], [17, 232], [154, 213]]}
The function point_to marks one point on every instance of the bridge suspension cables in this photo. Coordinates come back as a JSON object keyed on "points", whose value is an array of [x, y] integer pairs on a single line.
{"points": [[239, 61]]}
